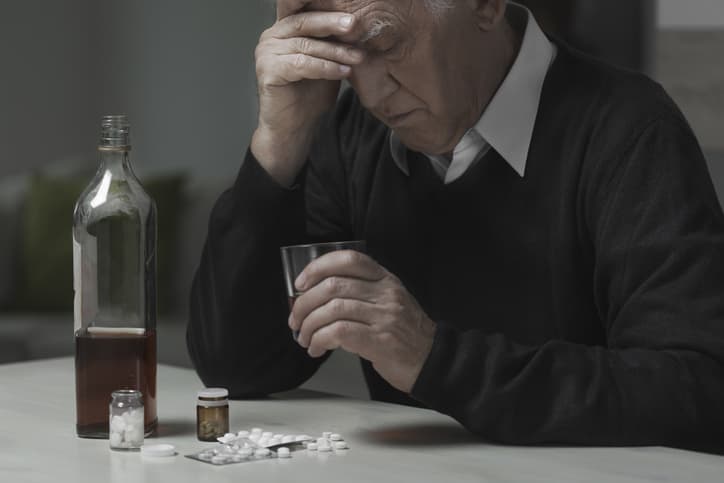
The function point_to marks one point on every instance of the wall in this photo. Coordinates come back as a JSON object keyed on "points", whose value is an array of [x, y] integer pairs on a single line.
{"points": [[690, 65], [183, 70], [47, 82], [691, 14]]}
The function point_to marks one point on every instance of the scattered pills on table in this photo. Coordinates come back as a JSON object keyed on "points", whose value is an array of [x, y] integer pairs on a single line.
{"points": [[262, 452], [257, 444]]}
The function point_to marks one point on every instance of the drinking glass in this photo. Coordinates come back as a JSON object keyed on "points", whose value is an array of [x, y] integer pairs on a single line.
{"points": [[296, 257]]}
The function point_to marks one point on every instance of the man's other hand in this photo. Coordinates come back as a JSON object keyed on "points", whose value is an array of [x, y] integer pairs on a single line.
{"points": [[351, 302]]}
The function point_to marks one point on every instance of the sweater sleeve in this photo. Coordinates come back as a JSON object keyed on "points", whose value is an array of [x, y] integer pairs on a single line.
{"points": [[658, 235], [237, 335]]}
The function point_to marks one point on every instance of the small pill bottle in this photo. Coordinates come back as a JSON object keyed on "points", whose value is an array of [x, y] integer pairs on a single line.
{"points": [[212, 413], [126, 420]]}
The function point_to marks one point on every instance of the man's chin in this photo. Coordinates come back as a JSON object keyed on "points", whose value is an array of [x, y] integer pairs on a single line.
{"points": [[418, 142]]}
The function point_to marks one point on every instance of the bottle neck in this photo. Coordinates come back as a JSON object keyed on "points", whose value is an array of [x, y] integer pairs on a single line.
{"points": [[117, 162]]}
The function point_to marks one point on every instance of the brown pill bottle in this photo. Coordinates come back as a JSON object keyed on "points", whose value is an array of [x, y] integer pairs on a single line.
{"points": [[212, 413]]}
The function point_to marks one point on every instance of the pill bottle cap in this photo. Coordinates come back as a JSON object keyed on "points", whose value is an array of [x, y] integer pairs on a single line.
{"points": [[158, 450], [213, 393]]}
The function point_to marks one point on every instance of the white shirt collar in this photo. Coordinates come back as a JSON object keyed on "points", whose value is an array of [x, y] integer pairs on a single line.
{"points": [[509, 119]]}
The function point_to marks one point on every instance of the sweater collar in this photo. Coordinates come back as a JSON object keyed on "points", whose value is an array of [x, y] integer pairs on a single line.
{"points": [[508, 121]]}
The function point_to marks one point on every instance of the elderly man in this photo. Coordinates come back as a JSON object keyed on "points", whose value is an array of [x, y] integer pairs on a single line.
{"points": [[545, 249]]}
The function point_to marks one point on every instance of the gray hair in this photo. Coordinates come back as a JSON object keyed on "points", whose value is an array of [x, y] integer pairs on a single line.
{"points": [[436, 7], [439, 6]]}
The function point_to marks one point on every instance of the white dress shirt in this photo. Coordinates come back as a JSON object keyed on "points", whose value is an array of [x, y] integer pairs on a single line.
{"points": [[507, 123]]}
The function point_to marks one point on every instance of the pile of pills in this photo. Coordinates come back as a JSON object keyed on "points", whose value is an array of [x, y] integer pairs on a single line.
{"points": [[126, 430], [328, 442], [256, 444]]}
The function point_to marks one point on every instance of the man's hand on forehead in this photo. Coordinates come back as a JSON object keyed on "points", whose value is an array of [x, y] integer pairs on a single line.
{"points": [[361, 32]]}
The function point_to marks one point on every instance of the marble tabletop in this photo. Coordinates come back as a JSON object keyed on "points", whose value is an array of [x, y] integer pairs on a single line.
{"points": [[387, 442]]}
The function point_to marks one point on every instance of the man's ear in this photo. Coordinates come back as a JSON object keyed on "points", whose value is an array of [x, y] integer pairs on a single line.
{"points": [[488, 13]]}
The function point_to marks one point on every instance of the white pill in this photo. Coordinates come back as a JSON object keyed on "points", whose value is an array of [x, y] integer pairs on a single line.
{"points": [[134, 436], [117, 424], [284, 452], [254, 437], [267, 434], [275, 441], [324, 448], [263, 442], [335, 437], [340, 445], [278, 436], [312, 447], [243, 434], [256, 430], [246, 452], [262, 453], [321, 441], [115, 439], [288, 439], [326, 434], [237, 459]]}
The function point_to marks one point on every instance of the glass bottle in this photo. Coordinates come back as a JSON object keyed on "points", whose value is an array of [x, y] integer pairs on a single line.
{"points": [[126, 420], [114, 278]]}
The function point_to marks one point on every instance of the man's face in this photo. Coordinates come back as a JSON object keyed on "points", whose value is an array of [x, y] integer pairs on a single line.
{"points": [[418, 76]]}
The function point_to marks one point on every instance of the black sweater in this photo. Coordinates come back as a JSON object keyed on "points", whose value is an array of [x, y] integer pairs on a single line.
{"points": [[582, 303]]}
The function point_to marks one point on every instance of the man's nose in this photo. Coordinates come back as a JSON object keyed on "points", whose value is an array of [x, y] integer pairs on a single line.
{"points": [[373, 82]]}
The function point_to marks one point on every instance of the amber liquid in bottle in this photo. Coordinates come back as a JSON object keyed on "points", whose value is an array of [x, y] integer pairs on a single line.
{"points": [[107, 361]]}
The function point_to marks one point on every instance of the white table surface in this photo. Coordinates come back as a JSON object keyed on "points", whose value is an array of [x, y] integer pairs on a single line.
{"points": [[388, 442]]}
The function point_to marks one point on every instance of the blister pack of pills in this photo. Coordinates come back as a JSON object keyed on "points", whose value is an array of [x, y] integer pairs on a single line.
{"points": [[257, 444]]}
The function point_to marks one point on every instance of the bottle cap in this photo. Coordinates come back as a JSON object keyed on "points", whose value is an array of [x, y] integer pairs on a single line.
{"points": [[158, 450], [213, 393]]}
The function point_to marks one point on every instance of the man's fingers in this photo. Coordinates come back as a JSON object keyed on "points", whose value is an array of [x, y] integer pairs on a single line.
{"points": [[342, 263], [321, 49], [311, 24], [324, 292], [351, 336], [333, 311], [297, 67]]}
